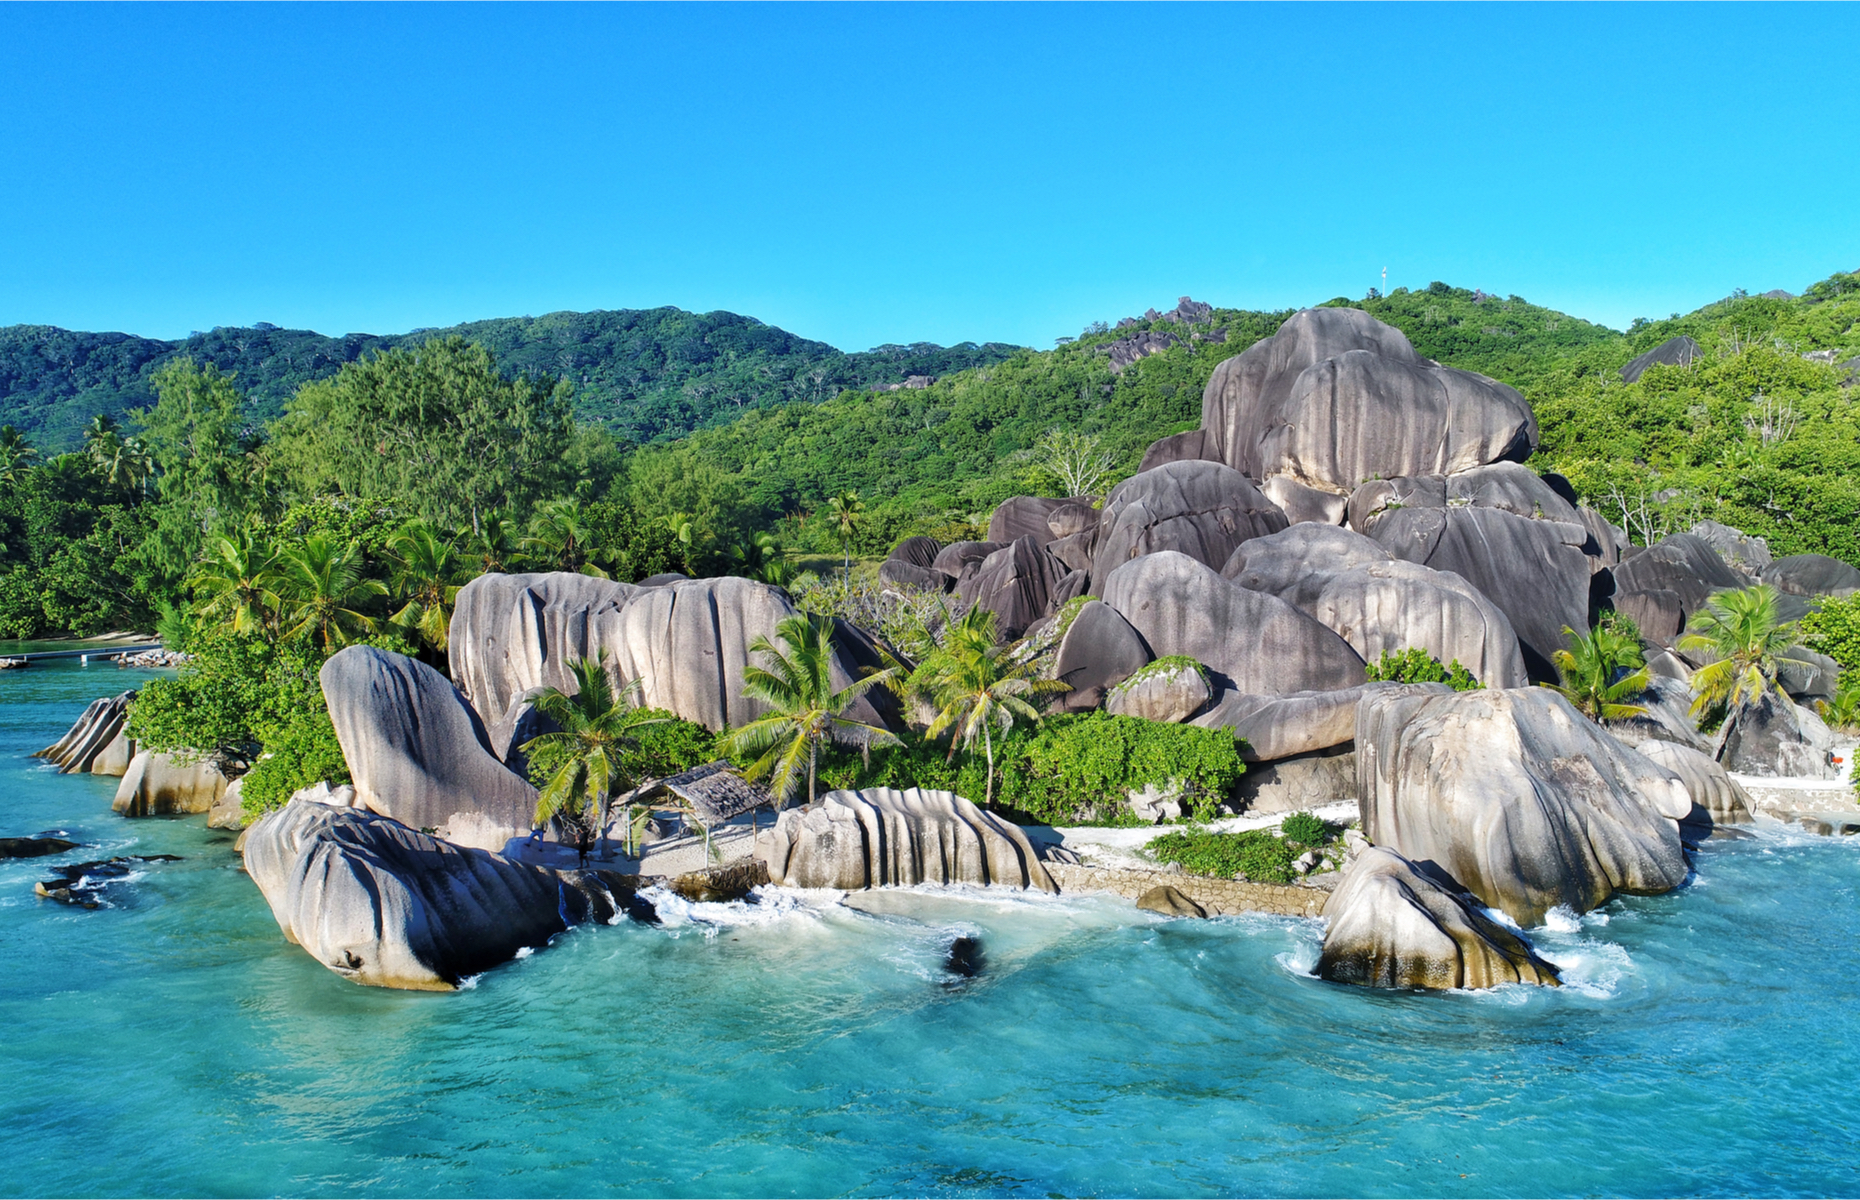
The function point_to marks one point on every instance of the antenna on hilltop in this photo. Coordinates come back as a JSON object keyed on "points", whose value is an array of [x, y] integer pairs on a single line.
{"points": [[1385, 281]]}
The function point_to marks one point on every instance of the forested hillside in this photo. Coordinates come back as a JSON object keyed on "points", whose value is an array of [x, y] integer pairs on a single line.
{"points": [[641, 373]]}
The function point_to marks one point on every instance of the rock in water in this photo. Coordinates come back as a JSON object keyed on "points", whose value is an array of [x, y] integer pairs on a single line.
{"points": [[964, 959], [1518, 797], [880, 837], [1254, 643], [1202, 509], [417, 751], [1392, 926], [384, 905], [1711, 787], [159, 785], [1170, 903], [95, 742], [33, 847]]}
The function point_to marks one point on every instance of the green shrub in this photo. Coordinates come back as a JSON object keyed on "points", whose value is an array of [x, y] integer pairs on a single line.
{"points": [[1306, 829], [1415, 665], [1834, 630], [671, 746], [1254, 853], [295, 757], [22, 607]]}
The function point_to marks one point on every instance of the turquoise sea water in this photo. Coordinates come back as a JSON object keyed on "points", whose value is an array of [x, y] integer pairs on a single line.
{"points": [[174, 1044]]}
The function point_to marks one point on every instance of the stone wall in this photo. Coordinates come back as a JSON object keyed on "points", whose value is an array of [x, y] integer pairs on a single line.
{"points": [[1220, 897]]}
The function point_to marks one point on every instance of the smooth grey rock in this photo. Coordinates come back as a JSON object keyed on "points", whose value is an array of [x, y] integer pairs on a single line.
{"points": [[881, 837], [1302, 781], [1166, 692], [1072, 519], [1177, 447], [1252, 642], [919, 551], [1744, 552], [1606, 541], [1666, 716], [1664, 664], [1808, 676], [662, 579], [1170, 903], [899, 574], [1380, 604], [1682, 564], [1722, 799], [1075, 550], [1681, 351], [1033, 516], [1272, 728], [417, 751], [95, 743], [511, 633], [1099, 650], [1391, 925], [1535, 572], [1509, 486], [1518, 797], [957, 556], [1659, 614], [387, 906], [1202, 509], [1301, 503], [1776, 738], [159, 785], [517, 726], [1812, 575], [228, 812], [1016, 583]]}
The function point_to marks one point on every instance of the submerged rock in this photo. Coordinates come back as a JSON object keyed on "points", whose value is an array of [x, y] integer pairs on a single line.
{"points": [[81, 884], [1170, 903], [34, 847], [880, 837], [1391, 925], [388, 906], [1519, 798], [964, 959]]}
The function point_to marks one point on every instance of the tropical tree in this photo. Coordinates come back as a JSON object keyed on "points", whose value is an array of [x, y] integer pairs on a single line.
{"points": [[1602, 670], [763, 559], [797, 685], [1748, 641], [847, 513], [1077, 462], [578, 768], [236, 581], [494, 542], [560, 540], [428, 571], [1843, 712], [979, 687], [123, 462], [17, 454], [320, 585]]}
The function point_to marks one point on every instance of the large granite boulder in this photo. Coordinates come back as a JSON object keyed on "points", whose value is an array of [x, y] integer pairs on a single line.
{"points": [[1812, 575], [1680, 563], [1518, 797], [1169, 690], [1098, 651], [1335, 398], [1271, 728], [1017, 583], [96, 743], [1177, 447], [1659, 614], [388, 906], [959, 559], [1039, 518], [896, 573], [161, 785], [418, 752], [1391, 925], [1774, 737], [1252, 643], [1303, 781], [1680, 351], [1533, 571], [1380, 604], [1665, 716], [919, 551], [882, 837], [1715, 795], [1742, 552], [1202, 509], [1808, 676], [1512, 487], [511, 633]]}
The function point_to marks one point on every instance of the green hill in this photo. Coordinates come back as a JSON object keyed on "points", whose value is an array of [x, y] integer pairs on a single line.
{"points": [[643, 373]]}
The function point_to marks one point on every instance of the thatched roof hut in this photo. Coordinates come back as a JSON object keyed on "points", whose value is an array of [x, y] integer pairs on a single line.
{"points": [[713, 792]]}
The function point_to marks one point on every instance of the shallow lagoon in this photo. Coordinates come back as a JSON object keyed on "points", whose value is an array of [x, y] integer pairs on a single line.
{"points": [[175, 1044]]}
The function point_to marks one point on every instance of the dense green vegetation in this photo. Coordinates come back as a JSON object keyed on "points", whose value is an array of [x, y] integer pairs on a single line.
{"points": [[1415, 665], [641, 373], [1256, 854]]}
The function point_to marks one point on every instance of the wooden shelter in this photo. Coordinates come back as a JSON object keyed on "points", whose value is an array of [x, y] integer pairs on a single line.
{"points": [[713, 793]]}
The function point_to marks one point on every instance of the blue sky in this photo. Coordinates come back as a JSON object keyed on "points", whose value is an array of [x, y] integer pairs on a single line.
{"points": [[893, 173]]}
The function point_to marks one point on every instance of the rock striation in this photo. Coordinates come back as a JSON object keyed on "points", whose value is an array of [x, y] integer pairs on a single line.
{"points": [[1517, 797], [1201, 509], [388, 906], [1716, 797], [881, 837], [96, 742], [161, 785], [1391, 925]]}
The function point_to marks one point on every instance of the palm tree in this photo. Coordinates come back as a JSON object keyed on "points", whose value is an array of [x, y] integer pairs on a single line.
{"points": [[123, 462], [494, 543], [320, 584], [848, 513], [16, 454], [559, 539], [762, 559], [978, 687], [427, 571], [236, 581], [1602, 670], [1842, 712], [1743, 633], [582, 764], [798, 686], [101, 427]]}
